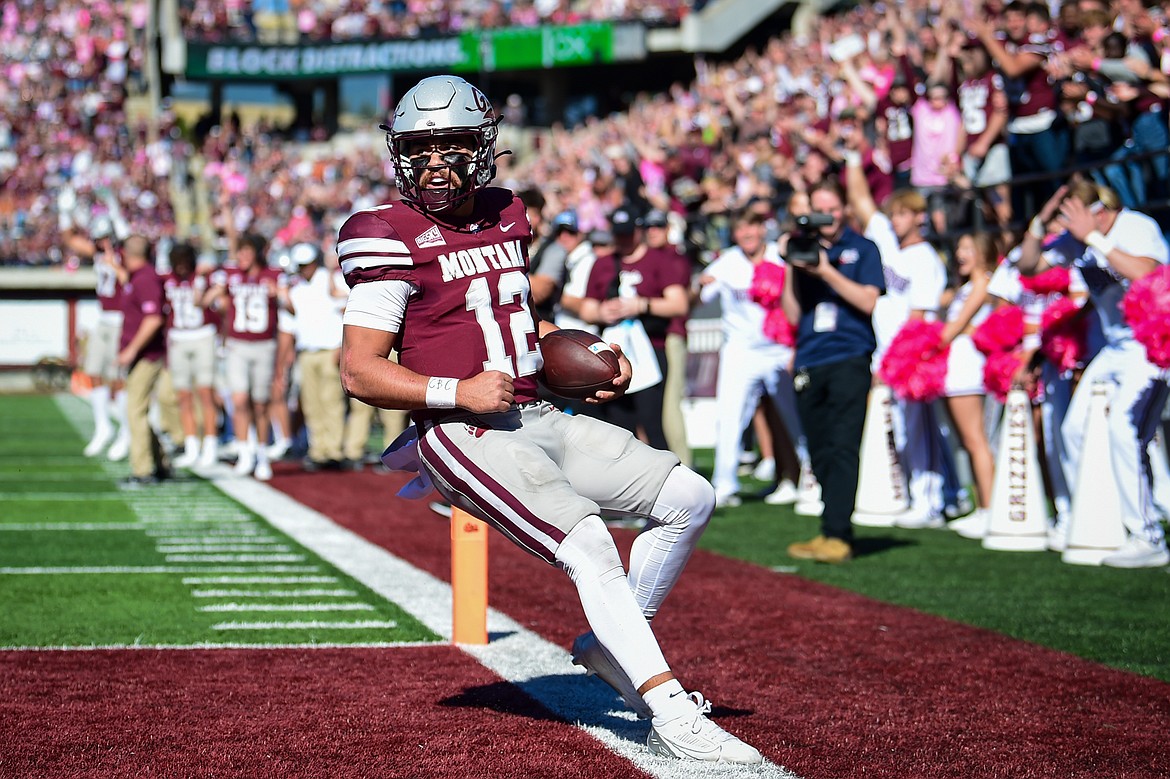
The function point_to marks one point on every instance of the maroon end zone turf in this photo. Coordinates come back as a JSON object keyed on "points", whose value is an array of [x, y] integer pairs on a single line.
{"points": [[825, 682], [260, 714]]}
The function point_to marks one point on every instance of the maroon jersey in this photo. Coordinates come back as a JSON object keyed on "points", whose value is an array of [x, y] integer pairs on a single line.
{"points": [[252, 305], [143, 297], [470, 310], [647, 277], [979, 100], [1033, 92], [899, 132], [183, 297]]}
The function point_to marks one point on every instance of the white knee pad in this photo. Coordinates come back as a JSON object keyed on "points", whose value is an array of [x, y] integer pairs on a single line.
{"points": [[686, 501], [588, 552]]}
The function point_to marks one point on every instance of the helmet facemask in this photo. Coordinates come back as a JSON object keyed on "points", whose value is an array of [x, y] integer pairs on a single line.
{"points": [[442, 127]]}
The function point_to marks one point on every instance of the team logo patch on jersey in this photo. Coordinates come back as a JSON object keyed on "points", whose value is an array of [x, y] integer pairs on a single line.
{"points": [[432, 237], [849, 256]]}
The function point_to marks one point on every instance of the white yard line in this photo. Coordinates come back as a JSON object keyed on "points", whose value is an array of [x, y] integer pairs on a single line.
{"points": [[64, 570]]}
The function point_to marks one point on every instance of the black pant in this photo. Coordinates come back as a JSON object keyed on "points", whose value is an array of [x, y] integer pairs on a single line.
{"points": [[832, 410], [643, 408]]}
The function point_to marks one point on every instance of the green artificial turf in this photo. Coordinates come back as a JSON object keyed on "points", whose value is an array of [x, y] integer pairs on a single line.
{"points": [[1117, 617], [84, 562]]}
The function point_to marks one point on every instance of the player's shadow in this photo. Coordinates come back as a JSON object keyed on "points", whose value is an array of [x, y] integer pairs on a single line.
{"points": [[875, 545], [571, 697]]}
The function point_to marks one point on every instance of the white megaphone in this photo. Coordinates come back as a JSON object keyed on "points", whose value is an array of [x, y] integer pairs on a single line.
{"points": [[1018, 520], [881, 483], [1095, 529]]}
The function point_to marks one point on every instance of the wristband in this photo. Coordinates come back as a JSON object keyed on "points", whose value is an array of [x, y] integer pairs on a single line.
{"points": [[441, 392], [646, 306], [1036, 229], [1099, 242], [852, 158]]}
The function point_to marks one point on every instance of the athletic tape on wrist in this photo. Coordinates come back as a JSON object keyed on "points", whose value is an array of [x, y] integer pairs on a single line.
{"points": [[1099, 242], [441, 392], [1037, 229]]}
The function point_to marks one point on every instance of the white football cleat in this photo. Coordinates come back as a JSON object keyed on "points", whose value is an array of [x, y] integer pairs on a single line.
{"points": [[694, 737], [591, 656], [101, 438], [209, 453], [263, 471], [119, 449]]}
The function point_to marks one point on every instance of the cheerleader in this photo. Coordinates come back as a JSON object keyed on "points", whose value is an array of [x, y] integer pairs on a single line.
{"points": [[1116, 247], [975, 257]]}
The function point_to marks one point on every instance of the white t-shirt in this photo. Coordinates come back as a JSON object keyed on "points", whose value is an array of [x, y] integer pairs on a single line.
{"points": [[742, 319], [578, 266], [915, 280]]}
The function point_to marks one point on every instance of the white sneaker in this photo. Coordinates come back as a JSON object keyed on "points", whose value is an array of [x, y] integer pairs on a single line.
{"points": [[917, 520], [119, 449], [1138, 553], [783, 495], [279, 448], [1057, 539], [263, 471], [973, 526], [209, 454], [591, 656], [245, 463], [809, 508], [728, 501], [101, 438], [694, 737], [765, 469]]}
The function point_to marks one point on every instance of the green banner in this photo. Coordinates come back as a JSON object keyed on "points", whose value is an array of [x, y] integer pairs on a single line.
{"points": [[521, 48]]}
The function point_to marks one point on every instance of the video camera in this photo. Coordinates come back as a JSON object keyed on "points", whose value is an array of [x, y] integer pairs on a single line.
{"points": [[804, 242]]}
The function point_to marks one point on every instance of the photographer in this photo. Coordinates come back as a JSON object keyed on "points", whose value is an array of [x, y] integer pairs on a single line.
{"points": [[834, 282]]}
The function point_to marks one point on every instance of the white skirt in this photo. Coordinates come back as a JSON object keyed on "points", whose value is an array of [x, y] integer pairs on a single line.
{"points": [[964, 368]]}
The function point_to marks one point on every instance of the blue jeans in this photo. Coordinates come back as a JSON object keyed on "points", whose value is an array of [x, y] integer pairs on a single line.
{"points": [[1128, 177]]}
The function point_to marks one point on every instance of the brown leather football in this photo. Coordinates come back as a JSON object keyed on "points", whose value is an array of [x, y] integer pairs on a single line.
{"points": [[577, 363]]}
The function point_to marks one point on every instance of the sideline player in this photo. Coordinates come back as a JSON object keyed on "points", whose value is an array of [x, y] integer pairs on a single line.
{"points": [[442, 278], [250, 290]]}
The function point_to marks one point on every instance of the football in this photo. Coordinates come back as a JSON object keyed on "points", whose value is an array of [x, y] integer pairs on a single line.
{"points": [[577, 363]]}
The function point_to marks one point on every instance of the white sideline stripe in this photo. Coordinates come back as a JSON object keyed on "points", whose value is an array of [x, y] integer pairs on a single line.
{"points": [[212, 547], [79, 526], [273, 593], [126, 569], [235, 558], [214, 537], [372, 624], [514, 653], [63, 497], [259, 579], [226, 607]]}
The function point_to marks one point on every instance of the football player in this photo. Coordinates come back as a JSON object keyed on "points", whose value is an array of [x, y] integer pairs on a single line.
{"points": [[442, 276]]}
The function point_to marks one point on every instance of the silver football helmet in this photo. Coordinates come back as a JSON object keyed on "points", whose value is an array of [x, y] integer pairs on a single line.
{"points": [[435, 109]]}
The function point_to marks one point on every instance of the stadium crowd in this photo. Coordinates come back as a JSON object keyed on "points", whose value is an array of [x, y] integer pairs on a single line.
{"points": [[883, 98], [313, 21]]}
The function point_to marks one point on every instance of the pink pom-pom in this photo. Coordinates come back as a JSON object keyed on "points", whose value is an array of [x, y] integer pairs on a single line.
{"points": [[1062, 334], [1147, 310], [999, 370], [915, 363], [767, 284], [778, 329], [1002, 331], [1049, 282]]}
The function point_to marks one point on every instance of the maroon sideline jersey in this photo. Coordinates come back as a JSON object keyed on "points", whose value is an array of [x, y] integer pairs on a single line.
{"points": [[647, 277], [252, 305], [183, 296], [470, 311], [142, 297]]}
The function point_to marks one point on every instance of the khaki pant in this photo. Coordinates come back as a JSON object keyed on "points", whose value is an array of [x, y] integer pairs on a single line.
{"points": [[673, 425], [357, 427], [322, 403], [168, 407], [145, 452]]}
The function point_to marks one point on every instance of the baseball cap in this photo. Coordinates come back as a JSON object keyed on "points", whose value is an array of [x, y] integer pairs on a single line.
{"points": [[623, 221], [566, 220], [600, 237], [655, 217]]}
